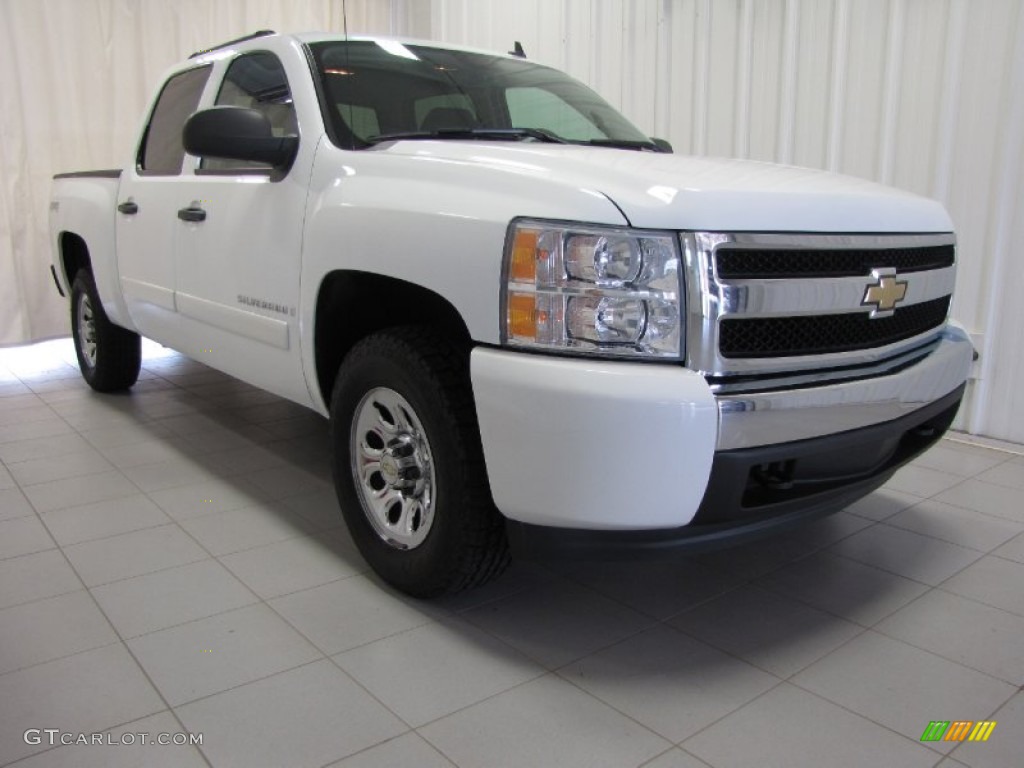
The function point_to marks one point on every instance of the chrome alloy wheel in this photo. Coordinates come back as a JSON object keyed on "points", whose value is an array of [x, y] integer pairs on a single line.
{"points": [[87, 330], [392, 468]]}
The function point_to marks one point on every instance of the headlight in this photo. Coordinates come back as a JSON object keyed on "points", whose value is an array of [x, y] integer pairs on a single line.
{"points": [[597, 290]]}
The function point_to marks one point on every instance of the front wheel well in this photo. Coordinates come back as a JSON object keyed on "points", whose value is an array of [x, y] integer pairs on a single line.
{"points": [[352, 305]]}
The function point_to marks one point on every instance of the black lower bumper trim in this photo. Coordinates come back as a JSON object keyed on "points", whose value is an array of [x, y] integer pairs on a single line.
{"points": [[754, 492]]}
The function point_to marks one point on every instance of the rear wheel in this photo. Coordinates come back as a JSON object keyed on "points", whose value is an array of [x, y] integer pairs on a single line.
{"points": [[109, 356], [408, 465]]}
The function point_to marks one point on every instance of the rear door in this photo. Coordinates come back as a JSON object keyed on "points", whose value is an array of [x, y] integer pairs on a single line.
{"points": [[147, 223]]}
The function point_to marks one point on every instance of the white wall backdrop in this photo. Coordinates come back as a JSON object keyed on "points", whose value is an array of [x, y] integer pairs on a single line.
{"points": [[927, 95], [924, 94]]}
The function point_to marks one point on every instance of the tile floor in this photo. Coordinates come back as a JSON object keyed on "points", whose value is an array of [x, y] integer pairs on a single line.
{"points": [[172, 561]]}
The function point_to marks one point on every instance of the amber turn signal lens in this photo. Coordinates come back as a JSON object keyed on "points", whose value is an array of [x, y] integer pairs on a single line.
{"points": [[522, 315], [523, 268]]}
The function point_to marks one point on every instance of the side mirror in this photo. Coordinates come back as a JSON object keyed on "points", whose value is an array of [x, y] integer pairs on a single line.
{"points": [[662, 145], [237, 133]]}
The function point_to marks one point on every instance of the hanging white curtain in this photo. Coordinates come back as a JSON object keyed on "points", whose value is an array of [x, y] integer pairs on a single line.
{"points": [[75, 78]]}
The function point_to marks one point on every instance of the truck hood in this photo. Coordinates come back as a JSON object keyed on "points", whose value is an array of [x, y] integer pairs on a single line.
{"points": [[661, 191]]}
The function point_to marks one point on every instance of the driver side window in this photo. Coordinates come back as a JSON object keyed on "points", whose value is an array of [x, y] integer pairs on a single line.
{"points": [[256, 81]]}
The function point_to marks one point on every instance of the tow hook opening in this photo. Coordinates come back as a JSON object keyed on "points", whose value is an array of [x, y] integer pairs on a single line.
{"points": [[776, 476]]}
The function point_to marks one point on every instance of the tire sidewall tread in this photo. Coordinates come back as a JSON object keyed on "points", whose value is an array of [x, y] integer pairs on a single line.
{"points": [[118, 350]]}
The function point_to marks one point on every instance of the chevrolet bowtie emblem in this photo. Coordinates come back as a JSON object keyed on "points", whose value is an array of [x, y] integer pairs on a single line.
{"points": [[885, 293]]}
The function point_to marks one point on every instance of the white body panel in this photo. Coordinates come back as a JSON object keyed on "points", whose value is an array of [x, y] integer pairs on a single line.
{"points": [[146, 243], [85, 207], [660, 191], [592, 444], [406, 212]]}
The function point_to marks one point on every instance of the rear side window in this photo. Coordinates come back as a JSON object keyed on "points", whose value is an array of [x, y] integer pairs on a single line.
{"points": [[162, 151], [257, 81]]}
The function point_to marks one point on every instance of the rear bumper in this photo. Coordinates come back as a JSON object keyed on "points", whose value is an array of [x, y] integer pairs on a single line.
{"points": [[745, 500]]}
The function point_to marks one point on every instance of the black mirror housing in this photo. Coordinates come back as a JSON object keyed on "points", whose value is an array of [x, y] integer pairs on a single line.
{"points": [[662, 145], [237, 133]]}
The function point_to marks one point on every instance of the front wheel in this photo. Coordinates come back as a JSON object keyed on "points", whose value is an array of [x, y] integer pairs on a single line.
{"points": [[408, 465], [109, 356]]}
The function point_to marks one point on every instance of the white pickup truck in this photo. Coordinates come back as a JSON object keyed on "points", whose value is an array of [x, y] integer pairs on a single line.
{"points": [[533, 327]]}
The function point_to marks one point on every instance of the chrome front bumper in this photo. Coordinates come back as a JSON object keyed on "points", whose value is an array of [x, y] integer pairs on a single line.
{"points": [[787, 409]]}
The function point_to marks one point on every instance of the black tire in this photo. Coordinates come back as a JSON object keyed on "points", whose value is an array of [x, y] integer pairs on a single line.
{"points": [[109, 356], [463, 540]]}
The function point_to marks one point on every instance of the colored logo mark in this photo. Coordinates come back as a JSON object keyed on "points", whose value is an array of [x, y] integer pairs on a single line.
{"points": [[958, 730]]}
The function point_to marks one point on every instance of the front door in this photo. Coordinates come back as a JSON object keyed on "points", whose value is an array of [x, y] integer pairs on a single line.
{"points": [[237, 258]]}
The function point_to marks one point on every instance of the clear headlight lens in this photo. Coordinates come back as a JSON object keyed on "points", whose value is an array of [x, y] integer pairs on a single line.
{"points": [[598, 290]]}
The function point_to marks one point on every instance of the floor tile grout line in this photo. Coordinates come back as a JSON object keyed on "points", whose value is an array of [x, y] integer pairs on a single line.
{"points": [[882, 632], [63, 657], [364, 750], [127, 650], [415, 728], [971, 509], [992, 716], [996, 554], [180, 624], [994, 518], [911, 578], [715, 722], [861, 629], [942, 588], [779, 591], [156, 688], [778, 681], [877, 630], [369, 577], [942, 755], [666, 753], [64, 457]]}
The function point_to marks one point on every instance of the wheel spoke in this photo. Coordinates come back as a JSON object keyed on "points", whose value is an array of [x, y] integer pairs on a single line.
{"points": [[367, 468], [413, 516], [383, 501], [405, 422]]}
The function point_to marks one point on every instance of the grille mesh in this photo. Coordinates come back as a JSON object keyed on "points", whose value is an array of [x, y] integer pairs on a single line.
{"points": [[752, 263], [818, 334]]}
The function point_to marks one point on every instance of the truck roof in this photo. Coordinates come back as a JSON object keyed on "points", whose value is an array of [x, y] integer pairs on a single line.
{"points": [[253, 41]]}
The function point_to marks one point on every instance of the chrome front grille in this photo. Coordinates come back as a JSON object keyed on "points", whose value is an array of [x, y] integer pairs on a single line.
{"points": [[754, 263], [776, 303], [822, 334]]}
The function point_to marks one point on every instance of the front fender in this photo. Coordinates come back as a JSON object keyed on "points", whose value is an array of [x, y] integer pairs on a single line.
{"points": [[435, 222]]}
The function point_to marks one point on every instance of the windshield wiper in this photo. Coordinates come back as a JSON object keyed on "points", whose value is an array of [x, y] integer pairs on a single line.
{"points": [[485, 134], [624, 144]]}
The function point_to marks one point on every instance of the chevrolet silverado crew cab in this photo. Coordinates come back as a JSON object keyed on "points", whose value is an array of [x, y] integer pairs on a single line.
{"points": [[533, 328]]}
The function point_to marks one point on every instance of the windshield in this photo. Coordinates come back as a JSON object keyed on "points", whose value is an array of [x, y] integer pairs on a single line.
{"points": [[380, 90]]}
